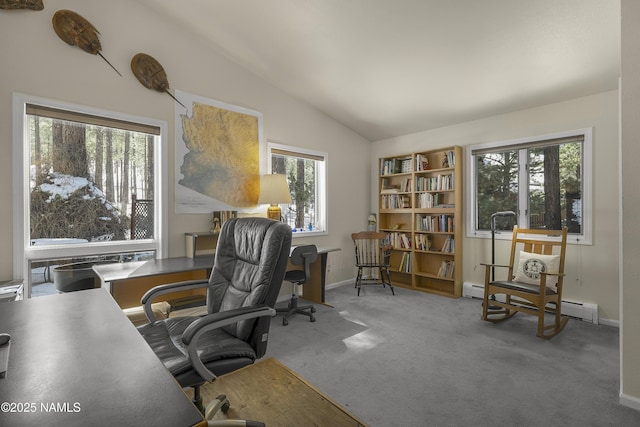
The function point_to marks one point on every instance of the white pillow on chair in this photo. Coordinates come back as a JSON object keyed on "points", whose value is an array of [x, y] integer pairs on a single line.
{"points": [[530, 266]]}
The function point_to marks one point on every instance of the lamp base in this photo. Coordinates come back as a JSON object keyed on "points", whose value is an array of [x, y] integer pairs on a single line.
{"points": [[274, 212]]}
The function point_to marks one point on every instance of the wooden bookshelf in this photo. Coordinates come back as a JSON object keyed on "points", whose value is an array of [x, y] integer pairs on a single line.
{"points": [[420, 210]]}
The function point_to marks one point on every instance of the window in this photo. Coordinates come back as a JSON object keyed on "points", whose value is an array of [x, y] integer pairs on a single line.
{"points": [[306, 175], [79, 174], [541, 183]]}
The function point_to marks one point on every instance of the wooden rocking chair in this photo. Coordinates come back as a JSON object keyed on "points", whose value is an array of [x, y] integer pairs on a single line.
{"points": [[534, 280]]}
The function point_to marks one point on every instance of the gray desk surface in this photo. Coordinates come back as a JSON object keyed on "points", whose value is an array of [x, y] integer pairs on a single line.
{"points": [[76, 359], [156, 267]]}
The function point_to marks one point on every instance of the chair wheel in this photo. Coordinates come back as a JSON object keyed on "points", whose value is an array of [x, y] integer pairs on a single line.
{"points": [[312, 318], [285, 322], [225, 407], [313, 309]]}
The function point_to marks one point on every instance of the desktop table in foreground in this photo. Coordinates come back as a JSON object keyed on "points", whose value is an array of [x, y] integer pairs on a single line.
{"points": [[76, 359]]}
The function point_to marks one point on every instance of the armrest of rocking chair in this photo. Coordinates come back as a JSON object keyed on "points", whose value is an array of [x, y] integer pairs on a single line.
{"points": [[543, 280], [169, 288], [214, 321], [494, 265]]}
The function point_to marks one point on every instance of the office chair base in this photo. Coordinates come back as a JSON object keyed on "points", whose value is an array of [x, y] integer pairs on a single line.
{"points": [[294, 308], [221, 403]]}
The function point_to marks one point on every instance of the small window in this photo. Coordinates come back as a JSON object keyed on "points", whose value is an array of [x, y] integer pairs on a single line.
{"points": [[306, 176], [540, 183]]}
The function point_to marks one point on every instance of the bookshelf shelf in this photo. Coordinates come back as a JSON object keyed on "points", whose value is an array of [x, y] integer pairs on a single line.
{"points": [[420, 210]]}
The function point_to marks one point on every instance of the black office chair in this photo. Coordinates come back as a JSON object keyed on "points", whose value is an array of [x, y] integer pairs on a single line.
{"points": [[249, 267], [301, 255]]}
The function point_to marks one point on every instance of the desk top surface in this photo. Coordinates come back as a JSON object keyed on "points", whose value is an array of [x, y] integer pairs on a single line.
{"points": [[75, 359], [132, 270], [136, 269]]}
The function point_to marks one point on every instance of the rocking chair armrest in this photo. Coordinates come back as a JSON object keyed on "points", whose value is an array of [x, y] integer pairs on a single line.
{"points": [[543, 279], [553, 274], [214, 321], [487, 265]]}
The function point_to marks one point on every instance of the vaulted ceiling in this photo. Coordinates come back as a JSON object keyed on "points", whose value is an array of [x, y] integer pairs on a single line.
{"points": [[386, 68]]}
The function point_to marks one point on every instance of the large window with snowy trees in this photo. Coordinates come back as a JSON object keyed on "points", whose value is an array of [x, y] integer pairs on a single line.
{"points": [[89, 184]]}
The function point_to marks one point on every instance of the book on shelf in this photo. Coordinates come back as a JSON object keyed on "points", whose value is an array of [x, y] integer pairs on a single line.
{"points": [[449, 160], [422, 162], [390, 190], [398, 240], [405, 263], [406, 166], [394, 166], [446, 269], [405, 185], [422, 242], [448, 245], [435, 223], [395, 201]]}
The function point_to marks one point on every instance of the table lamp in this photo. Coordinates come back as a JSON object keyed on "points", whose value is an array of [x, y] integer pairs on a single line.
{"points": [[274, 190]]}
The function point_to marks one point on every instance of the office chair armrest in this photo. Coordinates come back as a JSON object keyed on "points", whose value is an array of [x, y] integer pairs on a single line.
{"points": [[169, 288], [214, 321]]}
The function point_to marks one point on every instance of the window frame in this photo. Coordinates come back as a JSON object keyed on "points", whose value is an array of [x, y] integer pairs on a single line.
{"points": [[586, 237], [321, 177], [23, 252]]}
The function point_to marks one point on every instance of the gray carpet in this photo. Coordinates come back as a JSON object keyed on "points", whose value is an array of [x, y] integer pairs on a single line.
{"points": [[420, 359]]}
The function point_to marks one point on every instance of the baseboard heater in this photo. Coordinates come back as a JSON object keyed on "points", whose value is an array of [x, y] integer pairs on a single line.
{"points": [[587, 312]]}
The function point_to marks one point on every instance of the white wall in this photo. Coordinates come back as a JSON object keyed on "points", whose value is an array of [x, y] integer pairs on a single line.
{"points": [[592, 270], [630, 289], [36, 62]]}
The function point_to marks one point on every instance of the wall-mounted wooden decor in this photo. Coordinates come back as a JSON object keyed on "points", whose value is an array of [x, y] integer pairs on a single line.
{"points": [[77, 31], [150, 74], [22, 4]]}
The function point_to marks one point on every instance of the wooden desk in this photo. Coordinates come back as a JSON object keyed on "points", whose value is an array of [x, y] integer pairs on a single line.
{"points": [[270, 392], [313, 289], [75, 359], [127, 282]]}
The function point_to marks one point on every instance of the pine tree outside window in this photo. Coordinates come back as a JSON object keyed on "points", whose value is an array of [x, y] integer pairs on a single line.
{"points": [[545, 181], [78, 172], [306, 176]]}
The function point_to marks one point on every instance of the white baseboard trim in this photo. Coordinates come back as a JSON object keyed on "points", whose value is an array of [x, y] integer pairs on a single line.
{"points": [[338, 284], [630, 401], [587, 312]]}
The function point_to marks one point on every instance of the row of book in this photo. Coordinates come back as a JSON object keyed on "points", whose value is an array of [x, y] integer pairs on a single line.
{"points": [[449, 245], [435, 223], [393, 166], [422, 242], [395, 201], [435, 183], [405, 263], [449, 159], [403, 165], [422, 162], [446, 269], [429, 200], [398, 240]]}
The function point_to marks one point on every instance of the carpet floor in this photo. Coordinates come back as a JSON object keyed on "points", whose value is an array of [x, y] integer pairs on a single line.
{"points": [[421, 359]]}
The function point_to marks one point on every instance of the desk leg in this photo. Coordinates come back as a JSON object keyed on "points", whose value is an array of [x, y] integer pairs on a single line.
{"points": [[313, 289]]}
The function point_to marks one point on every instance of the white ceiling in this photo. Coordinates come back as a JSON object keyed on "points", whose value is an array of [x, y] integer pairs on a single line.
{"points": [[386, 68]]}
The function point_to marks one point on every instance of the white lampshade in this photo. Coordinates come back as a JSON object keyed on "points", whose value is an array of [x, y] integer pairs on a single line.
{"points": [[274, 190]]}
